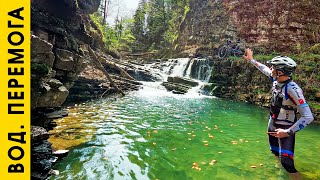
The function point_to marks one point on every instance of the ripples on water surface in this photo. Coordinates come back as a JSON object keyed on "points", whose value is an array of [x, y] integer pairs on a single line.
{"points": [[153, 134]]}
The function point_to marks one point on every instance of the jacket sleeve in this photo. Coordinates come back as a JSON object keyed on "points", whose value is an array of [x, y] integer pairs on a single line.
{"points": [[296, 95], [263, 68]]}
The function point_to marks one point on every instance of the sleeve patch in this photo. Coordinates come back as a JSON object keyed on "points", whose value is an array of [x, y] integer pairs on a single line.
{"points": [[304, 105], [301, 101], [301, 126]]}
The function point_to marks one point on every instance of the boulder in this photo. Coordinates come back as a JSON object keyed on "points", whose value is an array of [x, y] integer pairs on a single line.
{"points": [[53, 97], [176, 88], [38, 133], [64, 60], [89, 6], [54, 83], [41, 51], [181, 80]]}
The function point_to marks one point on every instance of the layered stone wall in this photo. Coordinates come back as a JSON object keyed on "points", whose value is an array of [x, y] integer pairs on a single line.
{"points": [[273, 25], [60, 31], [278, 25]]}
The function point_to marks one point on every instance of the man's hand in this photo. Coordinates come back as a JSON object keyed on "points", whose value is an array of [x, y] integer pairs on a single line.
{"points": [[248, 55], [280, 133]]}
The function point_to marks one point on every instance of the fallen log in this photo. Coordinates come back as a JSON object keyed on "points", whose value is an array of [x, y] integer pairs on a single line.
{"points": [[97, 63], [115, 66], [127, 80]]}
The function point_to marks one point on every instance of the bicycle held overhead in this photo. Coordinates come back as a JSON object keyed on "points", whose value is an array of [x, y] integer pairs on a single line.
{"points": [[230, 49]]}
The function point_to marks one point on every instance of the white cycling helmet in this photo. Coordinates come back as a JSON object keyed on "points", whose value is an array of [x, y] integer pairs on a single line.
{"points": [[284, 64]]}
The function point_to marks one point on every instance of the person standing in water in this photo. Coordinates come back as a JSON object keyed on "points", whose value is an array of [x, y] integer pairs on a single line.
{"points": [[287, 98]]}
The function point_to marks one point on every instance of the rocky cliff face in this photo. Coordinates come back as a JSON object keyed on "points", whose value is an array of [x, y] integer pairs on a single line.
{"points": [[265, 26], [207, 25], [60, 31], [275, 25]]}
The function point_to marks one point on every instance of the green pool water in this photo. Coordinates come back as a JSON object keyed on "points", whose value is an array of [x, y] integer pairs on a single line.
{"points": [[153, 134]]}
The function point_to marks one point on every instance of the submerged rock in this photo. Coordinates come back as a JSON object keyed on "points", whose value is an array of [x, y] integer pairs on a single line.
{"points": [[182, 80], [60, 153]]}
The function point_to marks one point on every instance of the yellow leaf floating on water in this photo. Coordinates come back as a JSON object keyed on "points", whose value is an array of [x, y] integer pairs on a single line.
{"points": [[234, 142], [205, 141], [210, 136], [155, 131], [216, 127], [189, 139], [253, 166], [173, 149], [189, 133], [196, 166], [193, 135], [241, 140], [154, 143], [206, 144], [220, 152], [261, 164], [213, 162]]}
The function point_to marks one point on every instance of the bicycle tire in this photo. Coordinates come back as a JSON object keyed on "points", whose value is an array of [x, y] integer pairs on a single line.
{"points": [[237, 52], [223, 52]]}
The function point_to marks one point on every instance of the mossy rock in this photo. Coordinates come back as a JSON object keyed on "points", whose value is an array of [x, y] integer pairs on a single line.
{"points": [[40, 69]]}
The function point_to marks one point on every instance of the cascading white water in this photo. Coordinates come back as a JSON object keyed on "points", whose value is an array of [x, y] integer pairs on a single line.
{"points": [[178, 69], [199, 69], [196, 69]]}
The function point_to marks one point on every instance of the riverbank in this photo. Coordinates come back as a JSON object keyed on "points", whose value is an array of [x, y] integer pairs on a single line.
{"points": [[238, 80], [155, 134]]}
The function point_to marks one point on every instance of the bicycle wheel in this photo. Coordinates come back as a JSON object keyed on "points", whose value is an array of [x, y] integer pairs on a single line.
{"points": [[238, 51], [223, 52]]}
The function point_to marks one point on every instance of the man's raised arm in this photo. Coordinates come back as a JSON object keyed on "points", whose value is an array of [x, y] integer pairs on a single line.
{"points": [[263, 68]]}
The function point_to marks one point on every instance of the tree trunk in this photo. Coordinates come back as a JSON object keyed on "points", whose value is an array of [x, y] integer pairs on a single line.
{"points": [[97, 63], [105, 12], [115, 66]]}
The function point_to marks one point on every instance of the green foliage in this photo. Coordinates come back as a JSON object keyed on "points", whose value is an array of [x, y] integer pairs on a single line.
{"points": [[97, 18], [315, 49], [139, 28], [306, 74], [40, 69], [315, 106], [263, 58], [157, 23], [119, 37]]}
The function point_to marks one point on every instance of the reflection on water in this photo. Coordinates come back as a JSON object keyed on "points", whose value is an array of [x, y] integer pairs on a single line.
{"points": [[153, 134]]}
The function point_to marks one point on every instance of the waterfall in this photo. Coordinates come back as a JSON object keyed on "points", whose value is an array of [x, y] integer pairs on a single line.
{"points": [[196, 70], [179, 67], [199, 69]]}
